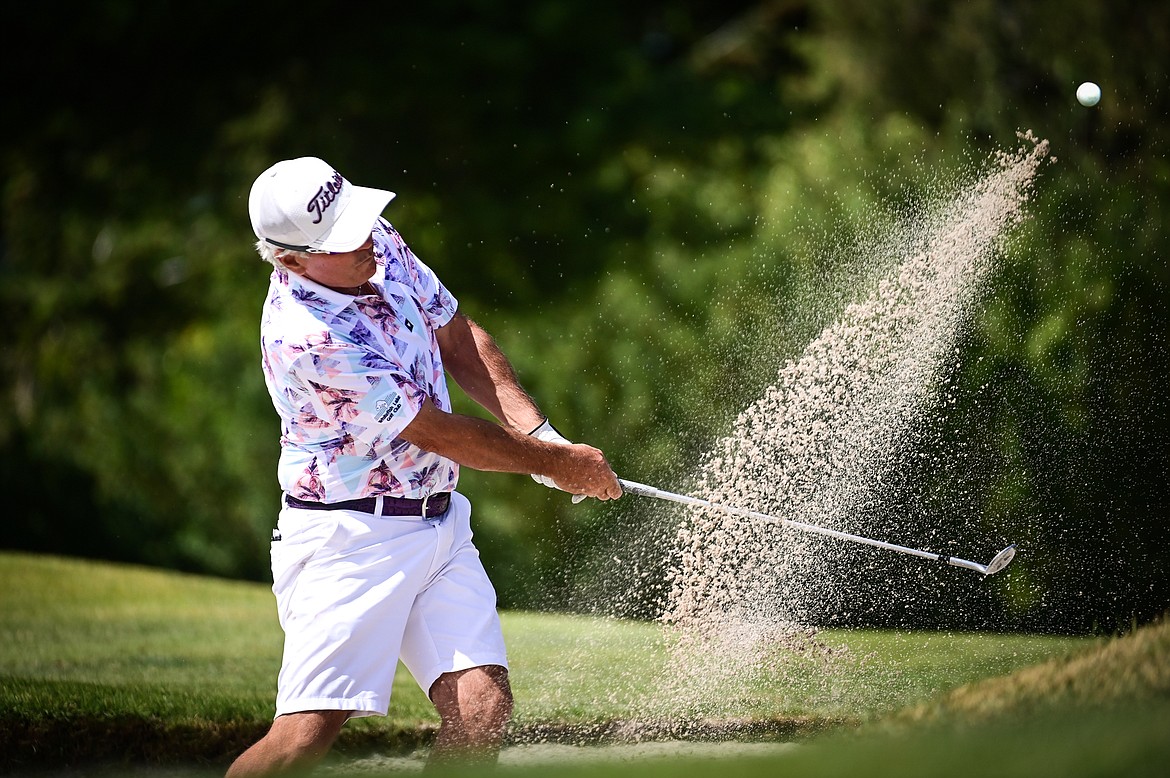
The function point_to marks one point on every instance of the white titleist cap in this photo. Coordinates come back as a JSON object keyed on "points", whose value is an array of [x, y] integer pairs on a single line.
{"points": [[305, 205]]}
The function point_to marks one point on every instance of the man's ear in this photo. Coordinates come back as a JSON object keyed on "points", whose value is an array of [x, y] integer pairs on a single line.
{"points": [[292, 262]]}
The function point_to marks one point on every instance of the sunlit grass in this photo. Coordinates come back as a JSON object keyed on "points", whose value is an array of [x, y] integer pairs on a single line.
{"points": [[172, 663]]}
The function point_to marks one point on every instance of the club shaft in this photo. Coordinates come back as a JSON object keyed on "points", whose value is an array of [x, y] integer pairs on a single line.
{"points": [[633, 487]]}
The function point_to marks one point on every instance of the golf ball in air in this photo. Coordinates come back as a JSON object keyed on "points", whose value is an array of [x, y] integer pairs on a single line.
{"points": [[1088, 94]]}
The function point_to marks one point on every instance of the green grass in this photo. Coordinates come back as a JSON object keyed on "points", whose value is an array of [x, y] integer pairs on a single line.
{"points": [[1068, 745], [103, 663]]}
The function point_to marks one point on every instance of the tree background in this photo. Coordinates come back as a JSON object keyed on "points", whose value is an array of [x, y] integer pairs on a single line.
{"points": [[634, 198]]}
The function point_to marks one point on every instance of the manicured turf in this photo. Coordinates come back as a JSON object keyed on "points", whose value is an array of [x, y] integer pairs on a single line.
{"points": [[104, 663]]}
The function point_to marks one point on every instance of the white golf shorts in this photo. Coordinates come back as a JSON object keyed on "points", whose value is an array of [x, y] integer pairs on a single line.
{"points": [[355, 592]]}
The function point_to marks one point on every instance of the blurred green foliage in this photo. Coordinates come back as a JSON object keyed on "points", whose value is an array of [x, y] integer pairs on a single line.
{"points": [[649, 205]]}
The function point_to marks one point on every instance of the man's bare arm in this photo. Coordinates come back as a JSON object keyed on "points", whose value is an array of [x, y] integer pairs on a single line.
{"points": [[482, 445], [480, 368]]}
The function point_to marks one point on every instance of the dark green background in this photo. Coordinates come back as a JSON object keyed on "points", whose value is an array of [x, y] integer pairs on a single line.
{"points": [[631, 197]]}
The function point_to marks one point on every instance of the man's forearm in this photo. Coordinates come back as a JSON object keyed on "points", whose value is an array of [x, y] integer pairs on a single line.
{"points": [[476, 443], [482, 445]]}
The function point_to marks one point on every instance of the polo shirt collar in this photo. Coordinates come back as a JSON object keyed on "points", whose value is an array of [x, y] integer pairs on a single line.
{"points": [[314, 295]]}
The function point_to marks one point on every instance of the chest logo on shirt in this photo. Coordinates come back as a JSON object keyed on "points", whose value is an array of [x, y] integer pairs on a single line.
{"points": [[384, 410]]}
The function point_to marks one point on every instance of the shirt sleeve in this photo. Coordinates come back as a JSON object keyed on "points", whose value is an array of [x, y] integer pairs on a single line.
{"points": [[437, 302]]}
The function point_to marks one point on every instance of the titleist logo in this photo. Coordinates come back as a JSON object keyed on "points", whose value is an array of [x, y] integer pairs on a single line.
{"points": [[325, 197]]}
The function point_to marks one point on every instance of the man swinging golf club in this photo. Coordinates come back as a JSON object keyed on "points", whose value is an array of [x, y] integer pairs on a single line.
{"points": [[373, 559]]}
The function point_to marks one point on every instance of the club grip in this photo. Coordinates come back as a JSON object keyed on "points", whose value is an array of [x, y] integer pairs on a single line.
{"points": [[633, 487]]}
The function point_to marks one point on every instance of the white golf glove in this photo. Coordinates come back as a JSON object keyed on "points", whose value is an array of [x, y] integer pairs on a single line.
{"points": [[549, 434]]}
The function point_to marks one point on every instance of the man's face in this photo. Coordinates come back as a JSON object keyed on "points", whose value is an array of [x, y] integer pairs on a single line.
{"points": [[343, 271]]}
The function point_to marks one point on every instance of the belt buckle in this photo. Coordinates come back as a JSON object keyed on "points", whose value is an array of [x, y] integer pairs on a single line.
{"points": [[432, 520]]}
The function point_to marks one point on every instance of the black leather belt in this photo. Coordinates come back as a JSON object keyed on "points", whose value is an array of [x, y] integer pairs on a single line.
{"points": [[429, 507]]}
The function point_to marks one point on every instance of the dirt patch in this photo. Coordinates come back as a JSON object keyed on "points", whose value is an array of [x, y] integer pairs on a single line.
{"points": [[553, 754]]}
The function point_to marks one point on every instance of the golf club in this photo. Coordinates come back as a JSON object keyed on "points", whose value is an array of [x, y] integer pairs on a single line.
{"points": [[999, 562]]}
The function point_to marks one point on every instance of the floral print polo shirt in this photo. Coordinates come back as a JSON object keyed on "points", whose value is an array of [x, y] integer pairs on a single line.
{"points": [[348, 374]]}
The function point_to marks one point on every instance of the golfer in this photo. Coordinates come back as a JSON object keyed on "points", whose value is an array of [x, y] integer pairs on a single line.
{"points": [[372, 558]]}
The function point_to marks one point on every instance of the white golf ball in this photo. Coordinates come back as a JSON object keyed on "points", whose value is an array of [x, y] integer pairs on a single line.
{"points": [[1088, 94]]}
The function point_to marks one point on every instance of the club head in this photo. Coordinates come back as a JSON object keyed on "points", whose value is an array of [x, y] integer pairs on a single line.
{"points": [[1001, 560]]}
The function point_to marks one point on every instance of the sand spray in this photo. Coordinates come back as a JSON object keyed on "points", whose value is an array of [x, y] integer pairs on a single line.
{"points": [[821, 445]]}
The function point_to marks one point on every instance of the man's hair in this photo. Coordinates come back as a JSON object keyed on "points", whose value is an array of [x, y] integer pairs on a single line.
{"points": [[267, 253]]}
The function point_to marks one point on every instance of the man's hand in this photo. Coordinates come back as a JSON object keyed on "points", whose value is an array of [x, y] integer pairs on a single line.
{"points": [[549, 434], [584, 472]]}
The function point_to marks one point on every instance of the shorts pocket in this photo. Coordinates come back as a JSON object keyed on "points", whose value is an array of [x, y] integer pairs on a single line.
{"points": [[304, 536]]}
